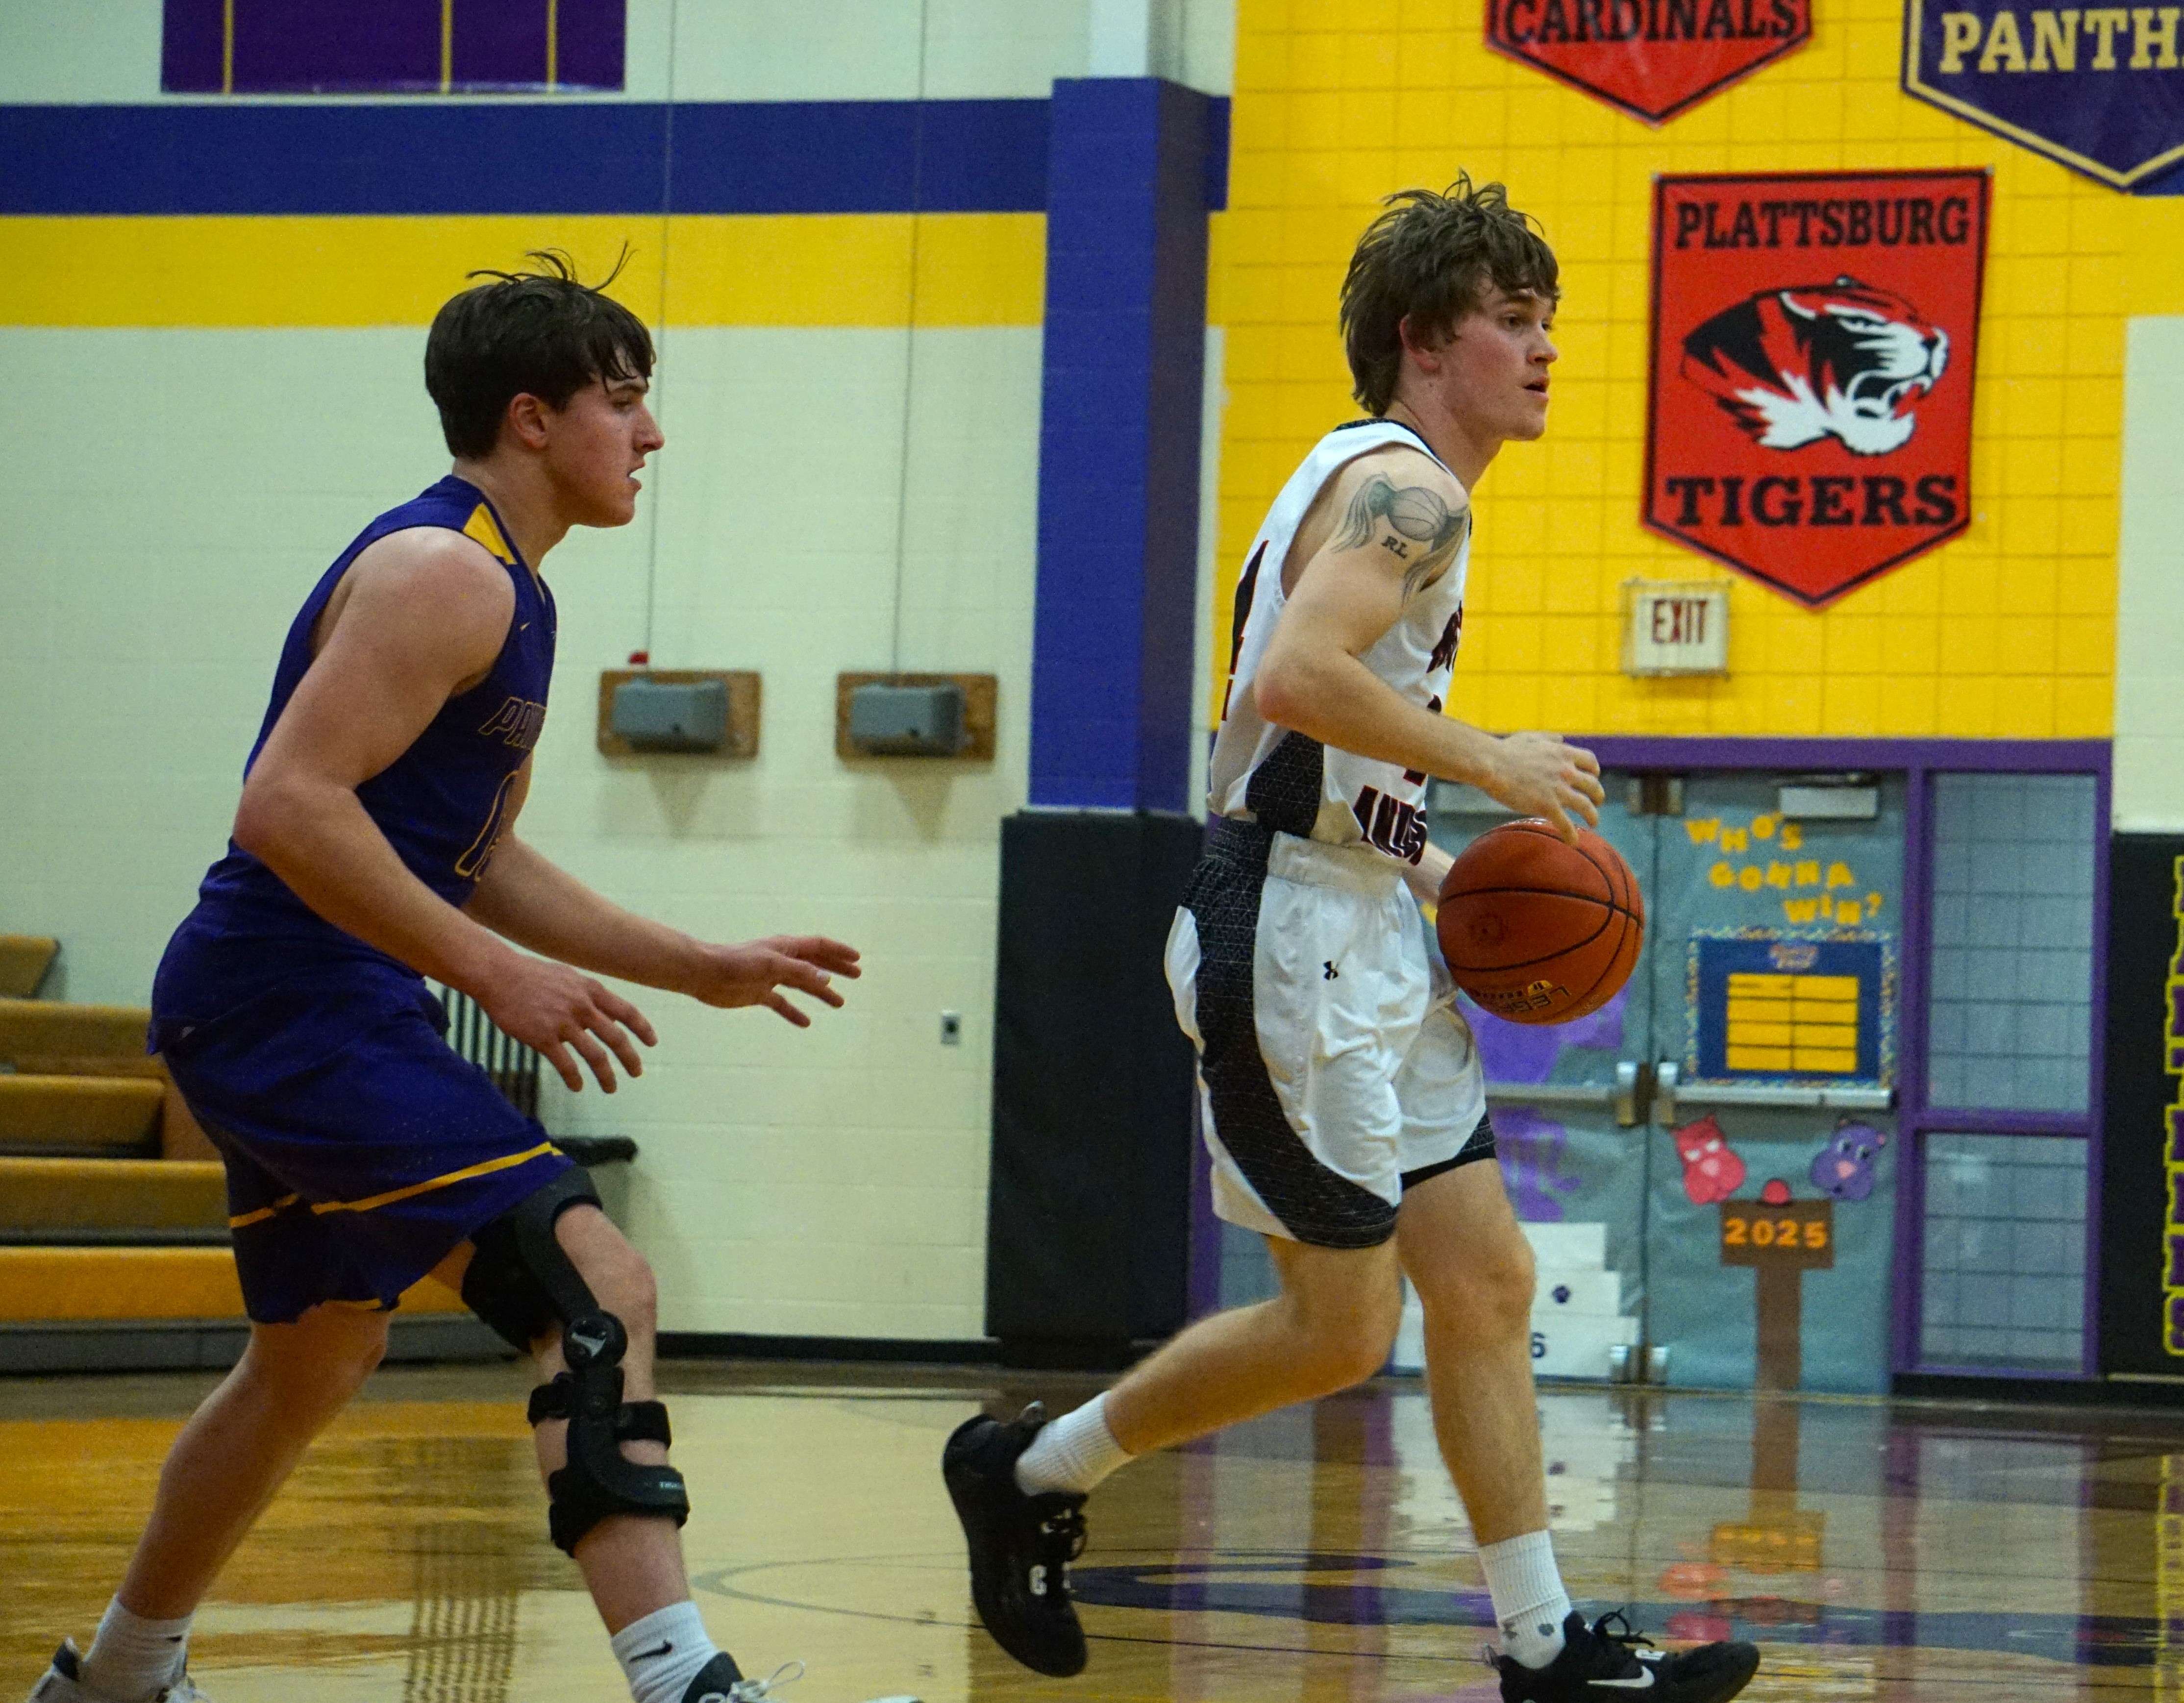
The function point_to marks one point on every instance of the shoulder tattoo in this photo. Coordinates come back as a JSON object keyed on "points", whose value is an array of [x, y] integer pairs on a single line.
{"points": [[1411, 522]]}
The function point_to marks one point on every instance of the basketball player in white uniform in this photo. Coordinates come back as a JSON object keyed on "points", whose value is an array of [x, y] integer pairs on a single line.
{"points": [[1345, 1104]]}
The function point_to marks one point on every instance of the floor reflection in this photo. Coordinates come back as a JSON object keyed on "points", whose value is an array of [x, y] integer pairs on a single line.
{"points": [[1912, 1550]]}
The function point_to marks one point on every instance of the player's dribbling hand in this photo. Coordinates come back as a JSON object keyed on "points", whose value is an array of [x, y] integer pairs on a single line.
{"points": [[556, 1011], [1537, 775], [757, 972]]}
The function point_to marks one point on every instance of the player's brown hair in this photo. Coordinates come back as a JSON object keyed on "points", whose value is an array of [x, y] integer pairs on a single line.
{"points": [[543, 333], [1429, 258]]}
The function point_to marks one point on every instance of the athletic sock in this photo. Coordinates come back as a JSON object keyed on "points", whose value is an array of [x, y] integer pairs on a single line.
{"points": [[132, 1658], [1529, 1602], [661, 1654], [1072, 1454]]}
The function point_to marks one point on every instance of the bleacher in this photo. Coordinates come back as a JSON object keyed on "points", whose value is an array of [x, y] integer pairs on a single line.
{"points": [[113, 1239]]}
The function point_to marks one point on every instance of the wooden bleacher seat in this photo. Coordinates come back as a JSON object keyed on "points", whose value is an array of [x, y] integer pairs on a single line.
{"points": [[149, 1201], [56, 1116], [24, 960], [47, 1037], [113, 1240], [81, 1285]]}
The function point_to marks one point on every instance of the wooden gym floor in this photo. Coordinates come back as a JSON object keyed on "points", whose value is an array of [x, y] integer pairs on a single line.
{"points": [[1876, 1550]]}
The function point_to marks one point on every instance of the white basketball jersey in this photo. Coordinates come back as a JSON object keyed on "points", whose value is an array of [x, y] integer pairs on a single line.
{"points": [[1272, 775]]}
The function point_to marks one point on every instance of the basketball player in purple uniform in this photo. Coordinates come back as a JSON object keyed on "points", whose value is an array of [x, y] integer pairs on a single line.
{"points": [[1345, 1106], [375, 846]]}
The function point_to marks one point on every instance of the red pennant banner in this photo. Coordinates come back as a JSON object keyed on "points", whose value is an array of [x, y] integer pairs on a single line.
{"points": [[1809, 417], [1652, 58]]}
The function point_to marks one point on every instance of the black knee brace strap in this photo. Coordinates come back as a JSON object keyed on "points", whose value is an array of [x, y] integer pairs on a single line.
{"points": [[521, 1282]]}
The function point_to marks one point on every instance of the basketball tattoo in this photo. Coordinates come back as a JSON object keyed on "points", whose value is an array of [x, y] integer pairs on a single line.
{"points": [[1412, 523]]}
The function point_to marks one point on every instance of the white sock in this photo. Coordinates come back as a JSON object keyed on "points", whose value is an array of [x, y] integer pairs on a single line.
{"points": [[1072, 1453], [1529, 1602], [661, 1654], [132, 1658]]}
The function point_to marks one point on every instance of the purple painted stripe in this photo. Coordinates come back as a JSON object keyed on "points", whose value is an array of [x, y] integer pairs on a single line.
{"points": [[2096, 1100], [1911, 993], [2024, 756], [1964, 1120], [2036, 1374]]}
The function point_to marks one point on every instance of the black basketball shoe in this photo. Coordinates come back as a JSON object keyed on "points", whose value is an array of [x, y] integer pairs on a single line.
{"points": [[1020, 1546], [1597, 1665]]}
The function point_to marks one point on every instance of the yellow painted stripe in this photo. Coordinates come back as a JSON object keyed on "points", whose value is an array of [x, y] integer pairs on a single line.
{"points": [[973, 269], [245, 1220], [507, 1161]]}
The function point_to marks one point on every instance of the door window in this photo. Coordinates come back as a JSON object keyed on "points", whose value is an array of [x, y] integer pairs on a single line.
{"points": [[2004, 1238], [2010, 1011]]}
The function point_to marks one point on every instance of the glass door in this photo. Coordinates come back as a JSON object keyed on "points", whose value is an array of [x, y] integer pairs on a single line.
{"points": [[1774, 944], [1568, 1103], [1706, 1166]]}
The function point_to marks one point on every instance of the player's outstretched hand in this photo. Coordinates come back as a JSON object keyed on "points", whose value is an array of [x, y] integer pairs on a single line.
{"points": [[1537, 775], [757, 973], [561, 1011]]}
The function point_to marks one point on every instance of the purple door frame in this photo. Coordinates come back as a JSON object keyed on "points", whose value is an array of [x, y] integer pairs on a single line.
{"points": [[1918, 760]]}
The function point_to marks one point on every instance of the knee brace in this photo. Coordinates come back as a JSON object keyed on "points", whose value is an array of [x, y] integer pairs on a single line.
{"points": [[521, 1282]]}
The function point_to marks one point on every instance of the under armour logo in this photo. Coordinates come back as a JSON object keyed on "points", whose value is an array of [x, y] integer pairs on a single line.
{"points": [[1329, 973], [1038, 1581]]}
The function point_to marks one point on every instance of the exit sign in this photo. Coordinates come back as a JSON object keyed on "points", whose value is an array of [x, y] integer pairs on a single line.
{"points": [[1675, 627]]}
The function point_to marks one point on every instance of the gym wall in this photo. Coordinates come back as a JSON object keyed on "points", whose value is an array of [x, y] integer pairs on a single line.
{"points": [[2149, 730], [207, 400], [2007, 632]]}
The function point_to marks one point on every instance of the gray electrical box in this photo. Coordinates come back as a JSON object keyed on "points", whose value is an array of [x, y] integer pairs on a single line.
{"points": [[665, 716], [907, 721]]}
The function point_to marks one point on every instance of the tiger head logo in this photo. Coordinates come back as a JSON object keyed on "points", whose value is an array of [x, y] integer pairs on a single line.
{"points": [[1842, 360]]}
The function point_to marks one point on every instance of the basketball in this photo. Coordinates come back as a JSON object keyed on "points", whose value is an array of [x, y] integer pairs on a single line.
{"points": [[1537, 930]]}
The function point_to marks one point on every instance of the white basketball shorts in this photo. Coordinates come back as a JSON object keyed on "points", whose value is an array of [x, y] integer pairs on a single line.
{"points": [[1333, 1066]]}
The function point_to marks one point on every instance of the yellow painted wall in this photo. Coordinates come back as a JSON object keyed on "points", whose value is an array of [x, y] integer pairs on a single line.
{"points": [[2007, 631], [972, 269]]}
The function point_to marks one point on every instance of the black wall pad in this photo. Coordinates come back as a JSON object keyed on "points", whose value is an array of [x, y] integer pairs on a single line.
{"points": [[1087, 1228], [2133, 1258]]}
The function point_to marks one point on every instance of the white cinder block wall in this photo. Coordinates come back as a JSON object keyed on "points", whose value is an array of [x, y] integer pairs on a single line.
{"points": [[170, 496], [2149, 711], [829, 1181]]}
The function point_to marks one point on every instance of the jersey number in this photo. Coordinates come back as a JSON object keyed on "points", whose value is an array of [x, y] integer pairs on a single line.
{"points": [[1397, 828]]}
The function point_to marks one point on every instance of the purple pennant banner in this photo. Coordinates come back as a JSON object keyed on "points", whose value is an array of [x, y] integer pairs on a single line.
{"points": [[391, 46], [2100, 88]]}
